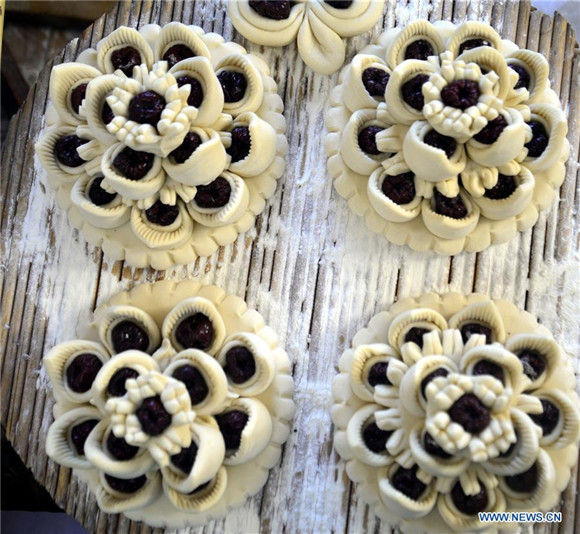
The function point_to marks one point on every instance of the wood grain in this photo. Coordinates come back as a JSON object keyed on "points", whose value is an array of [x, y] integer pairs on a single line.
{"points": [[309, 266]]}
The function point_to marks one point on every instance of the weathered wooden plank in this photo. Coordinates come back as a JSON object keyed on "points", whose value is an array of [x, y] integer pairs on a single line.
{"points": [[544, 47], [523, 21], [6, 224], [187, 13], [14, 292], [485, 11], [536, 250], [510, 17], [459, 11], [299, 209], [496, 19], [437, 10], [567, 230], [571, 101], [558, 57], [42, 413], [31, 346], [472, 11], [309, 266], [53, 295], [165, 13], [558, 227], [447, 10], [35, 413], [514, 275]]}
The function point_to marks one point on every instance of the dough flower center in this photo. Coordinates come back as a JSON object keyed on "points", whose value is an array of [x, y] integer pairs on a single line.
{"points": [[151, 112], [156, 413]]}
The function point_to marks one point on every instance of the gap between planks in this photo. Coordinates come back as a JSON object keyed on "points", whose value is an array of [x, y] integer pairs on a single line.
{"points": [[311, 277]]}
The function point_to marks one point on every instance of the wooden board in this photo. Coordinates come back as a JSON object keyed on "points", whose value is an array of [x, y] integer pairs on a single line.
{"points": [[309, 266]]}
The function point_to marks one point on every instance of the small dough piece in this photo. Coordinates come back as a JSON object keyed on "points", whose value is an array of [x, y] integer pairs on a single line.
{"points": [[514, 204], [507, 147], [110, 215], [428, 162], [156, 236], [395, 102], [418, 30], [230, 212], [356, 95], [354, 157], [263, 30], [473, 30], [262, 145], [64, 79], [204, 164], [386, 207], [119, 39], [537, 68]]}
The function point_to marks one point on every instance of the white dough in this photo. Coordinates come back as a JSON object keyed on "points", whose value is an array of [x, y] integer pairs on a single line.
{"points": [[194, 232], [414, 136], [317, 27], [409, 406], [233, 475]]}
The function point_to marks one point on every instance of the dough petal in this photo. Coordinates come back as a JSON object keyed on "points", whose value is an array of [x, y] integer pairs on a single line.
{"points": [[321, 48]]}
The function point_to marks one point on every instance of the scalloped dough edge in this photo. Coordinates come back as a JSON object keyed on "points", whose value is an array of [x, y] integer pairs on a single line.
{"points": [[158, 299]]}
